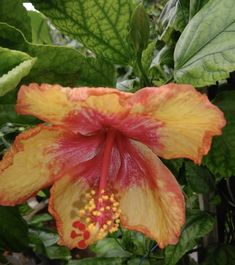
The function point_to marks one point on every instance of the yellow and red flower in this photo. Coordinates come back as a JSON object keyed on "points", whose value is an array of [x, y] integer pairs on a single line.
{"points": [[99, 151]]}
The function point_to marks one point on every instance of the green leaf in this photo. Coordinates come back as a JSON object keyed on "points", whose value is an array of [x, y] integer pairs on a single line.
{"points": [[102, 26], [199, 178], [139, 29], [221, 157], [220, 255], [109, 248], [14, 65], [135, 242], [205, 52], [58, 252], [48, 238], [8, 114], [98, 261], [13, 13], [13, 230], [58, 64], [174, 16], [174, 165], [40, 218], [195, 6], [10, 80], [147, 56], [40, 29], [197, 225]]}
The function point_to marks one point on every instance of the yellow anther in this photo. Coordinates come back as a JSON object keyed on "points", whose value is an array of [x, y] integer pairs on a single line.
{"points": [[88, 219], [88, 195], [105, 197], [96, 213], [114, 229], [116, 204], [112, 199], [108, 208], [109, 222], [92, 192], [105, 226], [117, 221], [102, 209], [81, 212], [114, 209]]}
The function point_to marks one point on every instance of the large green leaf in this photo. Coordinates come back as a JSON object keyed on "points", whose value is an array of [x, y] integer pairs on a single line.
{"points": [[195, 6], [13, 13], [220, 255], [58, 64], [197, 225], [221, 157], [14, 65], [40, 29], [102, 26], [205, 52], [13, 230]]}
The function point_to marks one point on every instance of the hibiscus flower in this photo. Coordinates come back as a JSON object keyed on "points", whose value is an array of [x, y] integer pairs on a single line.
{"points": [[99, 150]]}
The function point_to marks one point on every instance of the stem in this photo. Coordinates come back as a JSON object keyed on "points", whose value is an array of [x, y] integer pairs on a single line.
{"points": [[106, 159], [144, 79]]}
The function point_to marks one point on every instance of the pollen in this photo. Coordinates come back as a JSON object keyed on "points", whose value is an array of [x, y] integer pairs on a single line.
{"points": [[100, 214]]}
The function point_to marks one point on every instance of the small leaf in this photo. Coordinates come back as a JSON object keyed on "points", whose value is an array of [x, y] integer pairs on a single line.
{"points": [[102, 26], [9, 115], [139, 29], [14, 65], [98, 261], [10, 80], [197, 225], [220, 255], [13, 230], [199, 178], [13, 13], [221, 157], [40, 218], [174, 16], [108, 248], [205, 52], [58, 252]]}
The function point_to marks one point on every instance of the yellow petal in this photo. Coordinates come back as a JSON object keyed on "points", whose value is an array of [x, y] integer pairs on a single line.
{"points": [[24, 169], [187, 120], [73, 205], [155, 204], [63, 105]]}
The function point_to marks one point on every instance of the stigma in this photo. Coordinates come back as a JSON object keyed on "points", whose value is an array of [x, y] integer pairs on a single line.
{"points": [[99, 216]]}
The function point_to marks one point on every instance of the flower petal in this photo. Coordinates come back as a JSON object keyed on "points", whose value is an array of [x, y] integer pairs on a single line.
{"points": [[187, 120], [67, 198], [24, 169], [82, 109], [72, 205], [151, 201]]}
